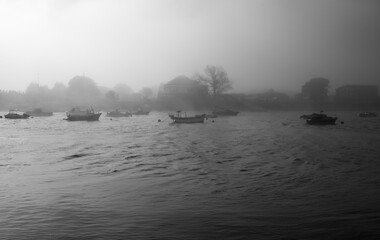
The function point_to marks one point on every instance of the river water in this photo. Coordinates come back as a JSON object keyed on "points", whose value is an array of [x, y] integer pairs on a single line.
{"points": [[261, 175]]}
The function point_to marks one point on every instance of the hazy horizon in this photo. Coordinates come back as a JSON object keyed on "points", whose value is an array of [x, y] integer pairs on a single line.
{"points": [[261, 44]]}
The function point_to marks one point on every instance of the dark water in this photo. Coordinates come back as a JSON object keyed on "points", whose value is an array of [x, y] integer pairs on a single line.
{"points": [[254, 176]]}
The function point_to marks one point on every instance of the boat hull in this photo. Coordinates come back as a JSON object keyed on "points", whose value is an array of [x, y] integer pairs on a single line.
{"points": [[330, 121], [45, 114], [89, 117], [227, 113], [367, 114], [140, 113], [196, 119], [119, 115], [16, 116]]}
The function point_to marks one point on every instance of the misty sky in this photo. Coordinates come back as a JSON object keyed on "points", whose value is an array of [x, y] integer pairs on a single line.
{"points": [[261, 44]]}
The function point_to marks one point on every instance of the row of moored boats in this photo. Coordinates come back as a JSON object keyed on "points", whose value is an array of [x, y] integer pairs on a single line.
{"points": [[77, 114], [323, 119]]}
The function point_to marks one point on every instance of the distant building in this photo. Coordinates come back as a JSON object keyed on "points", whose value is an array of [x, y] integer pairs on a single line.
{"points": [[357, 95], [183, 93], [182, 85]]}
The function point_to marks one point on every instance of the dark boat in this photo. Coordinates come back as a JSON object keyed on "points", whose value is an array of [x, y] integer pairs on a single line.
{"points": [[38, 112], [180, 117], [75, 114], [224, 112], [14, 115], [117, 113], [319, 119], [367, 114]]}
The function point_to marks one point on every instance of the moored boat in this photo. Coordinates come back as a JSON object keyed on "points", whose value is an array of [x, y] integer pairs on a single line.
{"points": [[319, 119], [367, 114], [76, 114], [38, 112], [13, 114], [180, 117], [225, 112], [140, 112], [117, 113]]}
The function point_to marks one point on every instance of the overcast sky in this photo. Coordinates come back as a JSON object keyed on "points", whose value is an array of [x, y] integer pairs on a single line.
{"points": [[261, 44]]}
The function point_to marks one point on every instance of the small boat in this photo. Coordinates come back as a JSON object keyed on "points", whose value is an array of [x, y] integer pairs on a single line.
{"points": [[117, 113], [76, 114], [180, 117], [140, 112], [224, 112], [13, 114], [319, 119], [38, 112], [367, 114]]}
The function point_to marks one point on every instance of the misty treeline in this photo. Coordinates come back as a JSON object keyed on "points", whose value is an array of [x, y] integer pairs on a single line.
{"points": [[80, 91], [204, 91]]}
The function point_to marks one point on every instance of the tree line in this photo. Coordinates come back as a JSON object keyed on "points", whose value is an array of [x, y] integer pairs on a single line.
{"points": [[203, 91]]}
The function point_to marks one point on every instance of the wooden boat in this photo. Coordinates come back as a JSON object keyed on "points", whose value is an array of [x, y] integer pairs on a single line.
{"points": [[117, 113], [319, 119], [13, 114], [367, 114], [76, 114], [38, 112], [224, 112], [180, 117]]}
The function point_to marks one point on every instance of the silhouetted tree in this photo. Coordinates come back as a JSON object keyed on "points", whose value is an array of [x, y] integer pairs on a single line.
{"points": [[316, 90], [216, 79], [36, 93], [83, 90], [123, 90], [112, 96]]}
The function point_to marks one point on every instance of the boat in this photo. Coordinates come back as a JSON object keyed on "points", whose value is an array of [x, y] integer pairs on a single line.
{"points": [[117, 113], [308, 116], [181, 117], [38, 112], [140, 112], [367, 114], [76, 114], [225, 112], [319, 119], [13, 114]]}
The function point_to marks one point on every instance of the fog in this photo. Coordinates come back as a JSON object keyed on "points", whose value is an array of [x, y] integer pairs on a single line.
{"points": [[261, 44]]}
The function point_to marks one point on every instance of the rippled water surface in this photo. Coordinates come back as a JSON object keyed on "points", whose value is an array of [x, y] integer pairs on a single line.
{"points": [[254, 176]]}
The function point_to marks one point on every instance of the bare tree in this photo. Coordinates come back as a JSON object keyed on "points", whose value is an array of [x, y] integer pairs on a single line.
{"points": [[216, 79]]}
